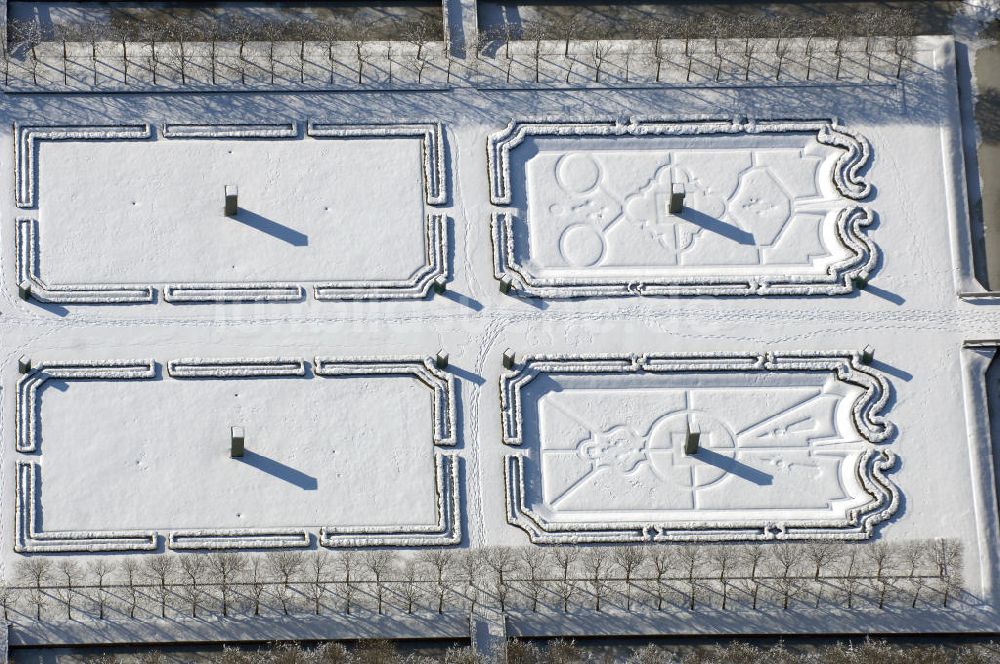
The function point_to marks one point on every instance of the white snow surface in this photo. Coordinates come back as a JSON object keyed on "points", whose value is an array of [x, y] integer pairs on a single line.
{"points": [[364, 449]]}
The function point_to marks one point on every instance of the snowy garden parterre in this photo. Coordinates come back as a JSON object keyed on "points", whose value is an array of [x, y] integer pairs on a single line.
{"points": [[675, 345]]}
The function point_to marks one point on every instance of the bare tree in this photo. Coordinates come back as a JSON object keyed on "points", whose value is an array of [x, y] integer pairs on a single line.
{"points": [[662, 559], [410, 587], [419, 64], [749, 26], [350, 563], [782, 28], [150, 34], [689, 556], [654, 31], [128, 570], [68, 571], [378, 562], [101, 569], [180, 32], [723, 558], [256, 577], [881, 556], [537, 32], [318, 564], [570, 28], [820, 554], [628, 559], [330, 33], [508, 33], [595, 562], [783, 559], [600, 52], [752, 556], [8, 597], [159, 569], [565, 558], [362, 32], [902, 47], [947, 555], [283, 565], [38, 599], [850, 573], [5, 54], [226, 567], [306, 31], [689, 28], [628, 54], [914, 554], [840, 35], [237, 28], [470, 566], [64, 35], [36, 571], [440, 562], [870, 22], [421, 32], [501, 562], [271, 33], [483, 39], [193, 568], [28, 35], [751, 46], [810, 52], [535, 563], [505, 33], [900, 26]]}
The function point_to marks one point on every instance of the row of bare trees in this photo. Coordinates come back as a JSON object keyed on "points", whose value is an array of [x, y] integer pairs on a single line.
{"points": [[753, 36], [238, 50], [556, 579], [177, 47]]}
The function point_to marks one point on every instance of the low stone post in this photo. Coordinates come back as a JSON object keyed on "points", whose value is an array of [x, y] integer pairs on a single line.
{"points": [[232, 203], [236, 445], [692, 439], [676, 198]]}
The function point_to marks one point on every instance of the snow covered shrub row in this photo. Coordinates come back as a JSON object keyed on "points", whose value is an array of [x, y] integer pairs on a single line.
{"points": [[774, 576]]}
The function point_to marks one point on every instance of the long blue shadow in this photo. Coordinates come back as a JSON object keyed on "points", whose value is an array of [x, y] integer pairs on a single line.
{"points": [[279, 470], [714, 225], [51, 307], [891, 370], [464, 300], [888, 296], [733, 466], [272, 228], [465, 374]]}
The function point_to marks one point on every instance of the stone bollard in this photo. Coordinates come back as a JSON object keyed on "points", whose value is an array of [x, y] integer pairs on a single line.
{"points": [[236, 446], [692, 439], [868, 355], [506, 283], [440, 284], [508, 359], [441, 359], [232, 204], [676, 198]]}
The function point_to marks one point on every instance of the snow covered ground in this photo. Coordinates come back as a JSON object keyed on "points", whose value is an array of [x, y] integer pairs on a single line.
{"points": [[118, 240]]}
